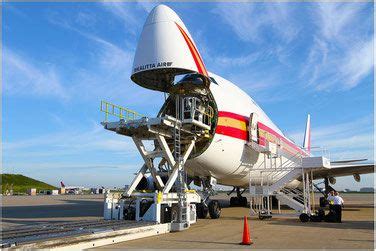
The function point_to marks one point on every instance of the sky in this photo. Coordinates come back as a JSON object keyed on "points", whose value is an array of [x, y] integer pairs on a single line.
{"points": [[61, 59]]}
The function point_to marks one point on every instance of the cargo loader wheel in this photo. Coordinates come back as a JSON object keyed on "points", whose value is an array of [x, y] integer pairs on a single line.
{"points": [[214, 209]]}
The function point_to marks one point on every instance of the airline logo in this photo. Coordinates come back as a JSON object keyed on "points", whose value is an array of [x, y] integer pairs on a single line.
{"points": [[152, 66], [194, 52]]}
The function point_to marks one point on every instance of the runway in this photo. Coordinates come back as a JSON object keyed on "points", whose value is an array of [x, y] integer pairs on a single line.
{"points": [[355, 232]]}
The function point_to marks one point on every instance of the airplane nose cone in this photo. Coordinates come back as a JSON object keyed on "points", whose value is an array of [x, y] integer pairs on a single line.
{"points": [[165, 49], [162, 13]]}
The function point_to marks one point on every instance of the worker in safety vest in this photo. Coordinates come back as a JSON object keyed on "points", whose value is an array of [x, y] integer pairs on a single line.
{"points": [[338, 205], [330, 199]]}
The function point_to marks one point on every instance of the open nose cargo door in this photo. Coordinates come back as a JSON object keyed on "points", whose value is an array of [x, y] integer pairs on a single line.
{"points": [[165, 49]]}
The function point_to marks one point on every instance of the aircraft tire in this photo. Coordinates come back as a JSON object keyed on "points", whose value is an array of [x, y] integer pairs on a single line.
{"points": [[214, 209], [243, 202], [201, 211], [234, 201]]}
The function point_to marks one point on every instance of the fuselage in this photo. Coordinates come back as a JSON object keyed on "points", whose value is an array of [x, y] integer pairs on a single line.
{"points": [[228, 158]]}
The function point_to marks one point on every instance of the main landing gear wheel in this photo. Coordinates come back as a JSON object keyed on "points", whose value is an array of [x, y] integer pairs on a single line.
{"points": [[202, 211], [214, 209], [238, 201]]}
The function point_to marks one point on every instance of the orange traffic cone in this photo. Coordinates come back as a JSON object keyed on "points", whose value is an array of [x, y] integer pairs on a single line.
{"points": [[246, 236]]}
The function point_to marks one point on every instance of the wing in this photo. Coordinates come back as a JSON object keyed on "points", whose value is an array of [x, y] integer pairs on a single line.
{"points": [[344, 170]]}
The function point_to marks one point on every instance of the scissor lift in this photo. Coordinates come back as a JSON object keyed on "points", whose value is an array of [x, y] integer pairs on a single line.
{"points": [[170, 200]]}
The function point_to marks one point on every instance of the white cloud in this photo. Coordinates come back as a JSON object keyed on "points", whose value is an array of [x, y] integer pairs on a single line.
{"points": [[72, 144], [334, 18], [341, 55], [22, 76], [126, 12], [108, 75], [253, 21], [358, 64]]}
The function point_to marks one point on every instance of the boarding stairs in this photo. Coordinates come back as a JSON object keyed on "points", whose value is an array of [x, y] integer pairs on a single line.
{"points": [[276, 176], [270, 178]]}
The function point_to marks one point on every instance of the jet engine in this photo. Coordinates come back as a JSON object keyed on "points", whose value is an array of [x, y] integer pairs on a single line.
{"points": [[332, 180], [356, 177]]}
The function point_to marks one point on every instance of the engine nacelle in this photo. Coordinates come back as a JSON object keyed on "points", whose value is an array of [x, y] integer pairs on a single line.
{"points": [[356, 177], [332, 180]]}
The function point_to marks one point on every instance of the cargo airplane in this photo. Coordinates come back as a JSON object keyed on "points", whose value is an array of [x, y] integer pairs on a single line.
{"points": [[235, 128]]}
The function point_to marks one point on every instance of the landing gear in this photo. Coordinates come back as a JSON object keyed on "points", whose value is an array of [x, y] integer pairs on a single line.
{"points": [[239, 200], [202, 211], [214, 209]]}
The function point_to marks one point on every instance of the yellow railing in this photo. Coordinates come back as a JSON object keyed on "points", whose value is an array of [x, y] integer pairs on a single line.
{"points": [[118, 111]]}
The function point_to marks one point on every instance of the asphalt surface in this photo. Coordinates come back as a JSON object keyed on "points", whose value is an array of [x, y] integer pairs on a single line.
{"points": [[356, 231], [30, 210]]}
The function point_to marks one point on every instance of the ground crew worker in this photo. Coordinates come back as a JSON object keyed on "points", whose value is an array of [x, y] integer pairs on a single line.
{"points": [[338, 204], [331, 199]]}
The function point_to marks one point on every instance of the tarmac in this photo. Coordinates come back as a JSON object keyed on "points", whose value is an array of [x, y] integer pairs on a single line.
{"points": [[356, 231]]}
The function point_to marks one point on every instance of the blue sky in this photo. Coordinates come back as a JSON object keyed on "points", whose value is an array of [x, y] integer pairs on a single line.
{"points": [[61, 59]]}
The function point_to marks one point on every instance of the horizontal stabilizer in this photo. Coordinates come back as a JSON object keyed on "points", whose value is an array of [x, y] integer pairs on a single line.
{"points": [[347, 161]]}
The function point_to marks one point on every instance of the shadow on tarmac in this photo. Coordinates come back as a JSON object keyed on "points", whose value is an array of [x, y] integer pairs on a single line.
{"points": [[71, 208], [346, 224]]}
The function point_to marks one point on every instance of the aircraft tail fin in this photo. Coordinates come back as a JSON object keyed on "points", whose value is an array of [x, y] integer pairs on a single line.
{"points": [[62, 184], [307, 135]]}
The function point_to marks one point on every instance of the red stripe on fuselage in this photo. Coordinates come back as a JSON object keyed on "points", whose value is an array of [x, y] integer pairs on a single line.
{"points": [[243, 135], [233, 116], [232, 132], [288, 142]]}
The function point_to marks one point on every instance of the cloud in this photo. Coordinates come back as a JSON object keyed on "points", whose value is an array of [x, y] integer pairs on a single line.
{"points": [[128, 13], [358, 64], [335, 18], [107, 75], [69, 143], [254, 21], [341, 55], [23, 76]]}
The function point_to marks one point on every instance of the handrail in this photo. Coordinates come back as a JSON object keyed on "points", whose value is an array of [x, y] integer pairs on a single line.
{"points": [[118, 111]]}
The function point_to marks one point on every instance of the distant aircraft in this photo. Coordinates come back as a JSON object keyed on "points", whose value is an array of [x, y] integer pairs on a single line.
{"points": [[235, 130], [71, 189]]}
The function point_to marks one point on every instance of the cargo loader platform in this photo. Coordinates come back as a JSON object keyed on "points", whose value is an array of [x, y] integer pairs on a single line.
{"points": [[79, 234]]}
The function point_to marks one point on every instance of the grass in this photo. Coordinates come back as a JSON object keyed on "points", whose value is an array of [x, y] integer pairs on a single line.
{"points": [[22, 183]]}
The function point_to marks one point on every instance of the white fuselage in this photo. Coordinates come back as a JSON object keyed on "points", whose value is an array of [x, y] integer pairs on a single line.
{"points": [[227, 158]]}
